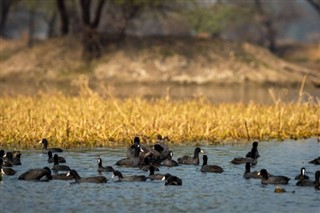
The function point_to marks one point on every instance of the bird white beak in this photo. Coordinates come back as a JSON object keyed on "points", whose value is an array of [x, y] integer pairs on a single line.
{"points": [[141, 150], [258, 173], [202, 151], [163, 178], [68, 174], [112, 176], [40, 141]]}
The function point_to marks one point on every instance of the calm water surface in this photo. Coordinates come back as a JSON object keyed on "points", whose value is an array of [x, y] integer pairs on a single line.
{"points": [[216, 94], [226, 192]]}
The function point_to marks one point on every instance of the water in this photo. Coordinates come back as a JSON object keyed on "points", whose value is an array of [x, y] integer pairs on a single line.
{"points": [[214, 93], [226, 192]]}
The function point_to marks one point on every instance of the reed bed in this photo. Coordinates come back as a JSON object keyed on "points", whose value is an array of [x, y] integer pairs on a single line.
{"points": [[91, 120]]}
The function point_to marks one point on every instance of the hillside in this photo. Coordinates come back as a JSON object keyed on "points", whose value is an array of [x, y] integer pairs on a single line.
{"points": [[152, 60]]}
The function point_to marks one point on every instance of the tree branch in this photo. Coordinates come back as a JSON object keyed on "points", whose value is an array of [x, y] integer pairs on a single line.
{"points": [[315, 5]]}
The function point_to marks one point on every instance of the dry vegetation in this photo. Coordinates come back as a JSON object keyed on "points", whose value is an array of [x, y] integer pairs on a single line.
{"points": [[154, 60], [95, 120], [90, 120]]}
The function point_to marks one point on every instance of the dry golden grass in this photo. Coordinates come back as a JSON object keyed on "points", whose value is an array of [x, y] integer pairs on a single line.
{"points": [[89, 120]]}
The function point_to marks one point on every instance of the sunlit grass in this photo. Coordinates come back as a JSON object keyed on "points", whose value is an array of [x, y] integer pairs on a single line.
{"points": [[89, 120]]}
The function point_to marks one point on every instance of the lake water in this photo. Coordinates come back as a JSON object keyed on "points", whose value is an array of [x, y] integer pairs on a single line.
{"points": [[214, 93], [226, 192]]}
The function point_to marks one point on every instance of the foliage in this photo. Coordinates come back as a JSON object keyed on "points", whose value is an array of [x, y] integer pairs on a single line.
{"points": [[214, 19]]}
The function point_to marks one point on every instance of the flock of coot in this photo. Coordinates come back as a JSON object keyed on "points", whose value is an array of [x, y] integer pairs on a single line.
{"points": [[147, 158]]}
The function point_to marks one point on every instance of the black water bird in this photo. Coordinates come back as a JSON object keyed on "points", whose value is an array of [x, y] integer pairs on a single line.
{"points": [[103, 169], [79, 179], [172, 180], [169, 162], [57, 167], [315, 161], [2, 153], [36, 174], [254, 153], [161, 147], [251, 157], [266, 179], [146, 151], [45, 148], [306, 182], [209, 168], [9, 161], [146, 164], [6, 171], [153, 176], [16, 157], [191, 160], [131, 178], [62, 176], [133, 161], [131, 149], [302, 175], [248, 174], [51, 159]]}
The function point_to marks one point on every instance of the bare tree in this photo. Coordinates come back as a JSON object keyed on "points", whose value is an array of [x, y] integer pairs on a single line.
{"points": [[5, 10], [64, 19], [91, 42], [267, 23]]}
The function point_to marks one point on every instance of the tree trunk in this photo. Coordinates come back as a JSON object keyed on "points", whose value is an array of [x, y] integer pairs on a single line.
{"points": [[5, 8], [99, 8], [268, 25], [129, 11], [64, 19], [31, 27], [91, 40], [51, 24]]}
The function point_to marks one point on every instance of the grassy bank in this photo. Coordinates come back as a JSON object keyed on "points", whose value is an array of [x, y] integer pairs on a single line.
{"points": [[89, 120], [157, 60]]}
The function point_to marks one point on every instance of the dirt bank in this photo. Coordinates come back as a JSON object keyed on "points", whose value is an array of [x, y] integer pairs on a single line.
{"points": [[152, 60]]}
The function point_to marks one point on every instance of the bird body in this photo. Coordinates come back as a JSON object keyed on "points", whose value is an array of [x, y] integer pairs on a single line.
{"points": [[210, 168], [302, 175], [248, 174], [172, 180], [45, 148], [103, 169], [36, 174], [191, 160], [129, 178], [266, 179], [78, 179], [169, 162]]}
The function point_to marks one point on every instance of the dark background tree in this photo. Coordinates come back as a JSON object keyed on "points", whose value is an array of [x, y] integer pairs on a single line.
{"points": [[64, 19], [91, 40], [267, 23], [5, 10], [109, 21]]}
